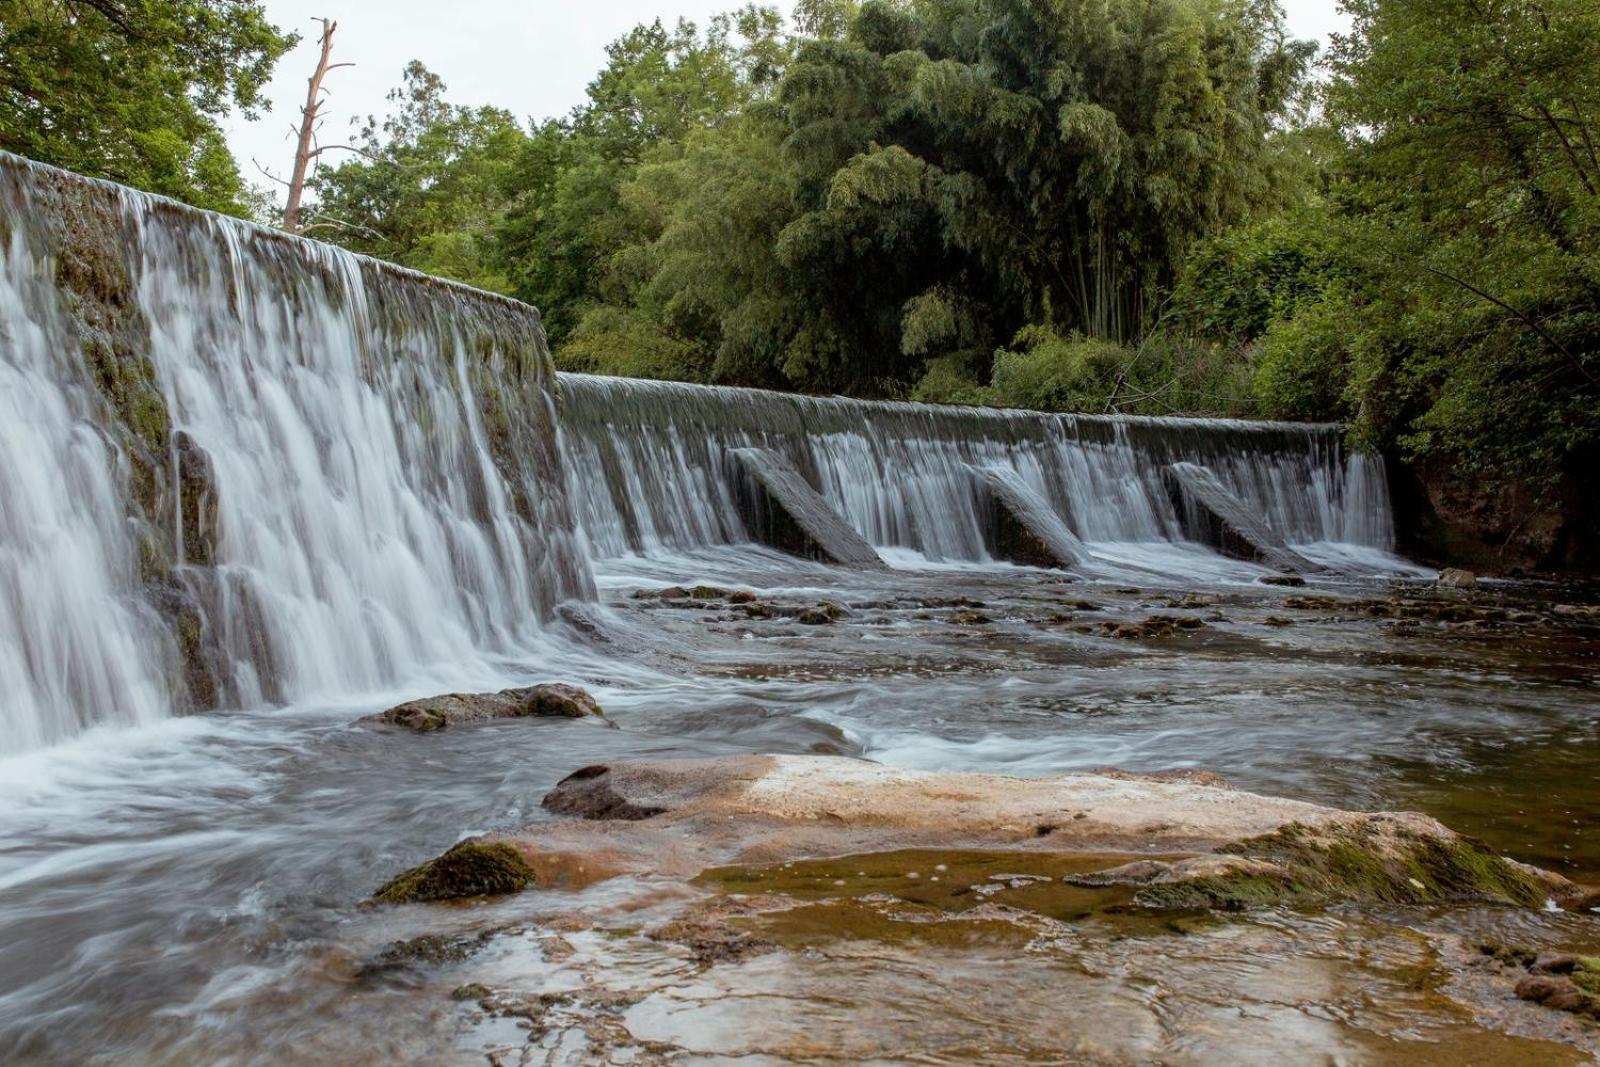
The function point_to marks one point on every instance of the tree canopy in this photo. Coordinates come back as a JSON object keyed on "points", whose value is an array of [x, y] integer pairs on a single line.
{"points": [[132, 90]]}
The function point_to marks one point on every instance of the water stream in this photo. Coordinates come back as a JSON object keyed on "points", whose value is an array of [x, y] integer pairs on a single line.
{"points": [[256, 488]]}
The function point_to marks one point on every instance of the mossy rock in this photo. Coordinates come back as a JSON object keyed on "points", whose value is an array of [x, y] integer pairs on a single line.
{"points": [[549, 700], [1230, 892], [469, 869], [1379, 862]]}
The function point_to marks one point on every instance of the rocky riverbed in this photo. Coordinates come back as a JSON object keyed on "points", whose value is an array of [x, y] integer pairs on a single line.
{"points": [[848, 817]]}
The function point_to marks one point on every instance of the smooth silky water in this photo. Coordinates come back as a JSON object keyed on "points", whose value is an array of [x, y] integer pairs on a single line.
{"points": [[185, 886]]}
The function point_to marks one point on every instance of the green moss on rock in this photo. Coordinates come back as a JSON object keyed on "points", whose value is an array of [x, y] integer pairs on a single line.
{"points": [[1375, 861], [1230, 892], [469, 869]]}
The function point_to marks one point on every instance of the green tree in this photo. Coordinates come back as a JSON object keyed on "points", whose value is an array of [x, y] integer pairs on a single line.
{"points": [[950, 172], [659, 88], [427, 185], [132, 90]]}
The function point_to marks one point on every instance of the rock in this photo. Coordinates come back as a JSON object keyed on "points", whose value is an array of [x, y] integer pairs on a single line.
{"points": [[1154, 626], [1027, 529], [741, 596], [787, 513], [1292, 580], [1456, 578], [1560, 994], [469, 869], [707, 592], [673, 592], [550, 700], [970, 618], [1231, 525], [814, 617], [1222, 848]]}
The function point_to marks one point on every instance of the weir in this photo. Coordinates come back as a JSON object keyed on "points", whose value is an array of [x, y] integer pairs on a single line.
{"points": [[653, 475], [243, 469]]}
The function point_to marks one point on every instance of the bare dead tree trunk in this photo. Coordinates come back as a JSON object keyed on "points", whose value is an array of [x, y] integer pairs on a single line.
{"points": [[306, 150]]}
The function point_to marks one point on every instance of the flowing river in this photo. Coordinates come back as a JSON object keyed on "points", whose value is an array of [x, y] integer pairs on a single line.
{"points": [[256, 489]]}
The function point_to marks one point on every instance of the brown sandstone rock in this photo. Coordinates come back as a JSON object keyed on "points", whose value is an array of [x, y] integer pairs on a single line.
{"points": [[1220, 847]]}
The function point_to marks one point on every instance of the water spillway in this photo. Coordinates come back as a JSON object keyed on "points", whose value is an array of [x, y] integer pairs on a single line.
{"points": [[653, 471], [244, 468]]}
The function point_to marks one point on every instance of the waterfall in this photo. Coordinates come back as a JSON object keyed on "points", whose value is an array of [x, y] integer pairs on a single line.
{"points": [[650, 470], [242, 468]]}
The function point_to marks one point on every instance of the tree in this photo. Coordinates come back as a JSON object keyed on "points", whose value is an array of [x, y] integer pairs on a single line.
{"points": [[307, 150], [659, 90], [1445, 292], [953, 171], [428, 186], [132, 90]]}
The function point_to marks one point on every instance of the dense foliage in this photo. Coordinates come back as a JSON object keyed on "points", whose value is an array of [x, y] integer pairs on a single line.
{"points": [[131, 90], [1115, 205]]}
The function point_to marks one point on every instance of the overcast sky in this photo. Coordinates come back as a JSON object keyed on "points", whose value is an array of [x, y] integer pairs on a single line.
{"points": [[532, 57]]}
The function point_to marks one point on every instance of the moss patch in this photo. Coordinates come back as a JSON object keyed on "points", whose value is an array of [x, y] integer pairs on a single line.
{"points": [[470, 869], [1232, 892], [1377, 862]]}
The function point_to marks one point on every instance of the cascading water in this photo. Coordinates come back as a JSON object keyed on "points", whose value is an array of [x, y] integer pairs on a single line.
{"points": [[654, 473], [241, 467]]}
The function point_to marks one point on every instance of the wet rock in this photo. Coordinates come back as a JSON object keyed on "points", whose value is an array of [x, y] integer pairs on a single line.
{"points": [[741, 596], [586, 793], [1223, 848], [1192, 775], [674, 592], [470, 869], [710, 941], [1154, 626], [1292, 580], [707, 592], [1560, 994], [1457, 578], [428, 950], [970, 618], [550, 700], [814, 617], [1277, 620]]}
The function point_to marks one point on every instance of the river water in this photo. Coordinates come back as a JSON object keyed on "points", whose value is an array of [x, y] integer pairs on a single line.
{"points": [[256, 489], [190, 891]]}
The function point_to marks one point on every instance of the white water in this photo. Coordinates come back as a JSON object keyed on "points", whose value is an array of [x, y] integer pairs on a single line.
{"points": [[366, 535], [391, 502], [76, 643], [649, 473]]}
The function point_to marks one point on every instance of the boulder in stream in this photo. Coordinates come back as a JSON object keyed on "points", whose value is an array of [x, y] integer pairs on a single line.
{"points": [[549, 700], [1211, 846]]}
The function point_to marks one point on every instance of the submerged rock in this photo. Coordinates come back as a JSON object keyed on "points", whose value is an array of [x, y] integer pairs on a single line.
{"points": [[550, 700]]}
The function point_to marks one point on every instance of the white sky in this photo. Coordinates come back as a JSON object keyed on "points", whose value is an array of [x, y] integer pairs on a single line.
{"points": [[532, 57]]}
